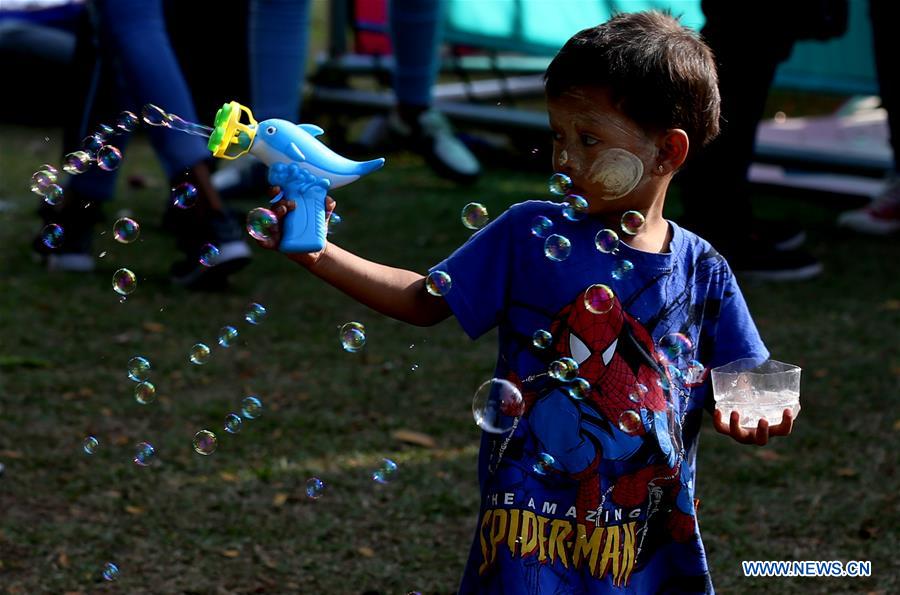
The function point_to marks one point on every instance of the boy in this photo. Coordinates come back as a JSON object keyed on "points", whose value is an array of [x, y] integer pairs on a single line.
{"points": [[593, 489]]}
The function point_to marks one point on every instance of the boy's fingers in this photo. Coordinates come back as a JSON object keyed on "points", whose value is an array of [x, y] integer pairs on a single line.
{"points": [[762, 433], [786, 425]]}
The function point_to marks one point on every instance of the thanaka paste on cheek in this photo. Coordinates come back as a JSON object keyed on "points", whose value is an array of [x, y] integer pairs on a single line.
{"points": [[617, 171], [563, 158]]}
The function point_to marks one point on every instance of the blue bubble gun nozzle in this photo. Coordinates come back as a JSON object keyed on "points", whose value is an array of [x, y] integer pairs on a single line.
{"points": [[304, 167]]}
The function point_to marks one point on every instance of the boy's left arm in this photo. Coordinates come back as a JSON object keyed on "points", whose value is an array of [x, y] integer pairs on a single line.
{"points": [[760, 434]]}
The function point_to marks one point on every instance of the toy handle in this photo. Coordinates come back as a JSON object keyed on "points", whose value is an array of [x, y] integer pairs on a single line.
{"points": [[304, 228]]}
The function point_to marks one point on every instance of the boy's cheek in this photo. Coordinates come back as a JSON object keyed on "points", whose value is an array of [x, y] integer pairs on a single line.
{"points": [[615, 173]]}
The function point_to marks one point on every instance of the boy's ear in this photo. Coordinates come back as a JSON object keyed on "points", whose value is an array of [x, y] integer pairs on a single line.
{"points": [[673, 150]]}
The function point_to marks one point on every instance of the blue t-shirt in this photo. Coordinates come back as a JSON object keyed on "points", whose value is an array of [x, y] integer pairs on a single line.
{"points": [[592, 491]]}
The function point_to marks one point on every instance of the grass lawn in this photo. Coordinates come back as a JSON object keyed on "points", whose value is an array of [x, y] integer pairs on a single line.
{"points": [[240, 521]]}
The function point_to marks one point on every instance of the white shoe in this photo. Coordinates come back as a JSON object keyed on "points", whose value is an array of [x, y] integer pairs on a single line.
{"points": [[880, 217]]}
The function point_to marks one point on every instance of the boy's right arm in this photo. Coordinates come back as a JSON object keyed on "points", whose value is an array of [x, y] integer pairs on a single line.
{"points": [[392, 291]]}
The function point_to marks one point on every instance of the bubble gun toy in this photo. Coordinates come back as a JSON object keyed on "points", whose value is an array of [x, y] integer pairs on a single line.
{"points": [[302, 166]]}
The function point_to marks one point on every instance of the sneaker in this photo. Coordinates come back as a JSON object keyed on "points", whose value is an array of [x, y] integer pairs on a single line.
{"points": [[225, 232], [781, 235], [432, 136], [760, 261], [77, 216], [246, 179], [880, 217]]}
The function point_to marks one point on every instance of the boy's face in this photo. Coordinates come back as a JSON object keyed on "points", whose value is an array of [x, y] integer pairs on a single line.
{"points": [[608, 156]]}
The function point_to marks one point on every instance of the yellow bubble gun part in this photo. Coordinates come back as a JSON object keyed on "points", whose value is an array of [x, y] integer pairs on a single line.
{"points": [[300, 164], [230, 137]]}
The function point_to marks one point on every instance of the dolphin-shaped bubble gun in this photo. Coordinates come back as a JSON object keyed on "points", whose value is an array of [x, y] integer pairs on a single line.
{"points": [[302, 166]]}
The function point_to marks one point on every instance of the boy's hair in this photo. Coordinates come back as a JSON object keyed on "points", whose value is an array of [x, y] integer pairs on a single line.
{"points": [[658, 72]]}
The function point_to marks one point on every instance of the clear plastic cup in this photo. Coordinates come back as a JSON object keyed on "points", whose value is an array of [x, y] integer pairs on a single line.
{"points": [[756, 392]]}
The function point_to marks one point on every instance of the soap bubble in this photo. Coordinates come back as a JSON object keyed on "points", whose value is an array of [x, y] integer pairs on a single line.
{"points": [[126, 230], [541, 339], [262, 224], [205, 442], [184, 195], [557, 248], [541, 226], [199, 354], [110, 571], [576, 209], [599, 299], [474, 215], [144, 454], [579, 389], [52, 236], [127, 122], [636, 395], [495, 404], [138, 368], [90, 445], [233, 423], [438, 283], [50, 169], [92, 145], [154, 115], [675, 345], [695, 373], [76, 162], [632, 222], [565, 369], [386, 472], [606, 241], [41, 180], [352, 336], [104, 132], [227, 335], [145, 393], [334, 221], [623, 267], [255, 313], [124, 282], [543, 464], [109, 158], [53, 195], [209, 255], [630, 421], [560, 184], [251, 407], [314, 488]]}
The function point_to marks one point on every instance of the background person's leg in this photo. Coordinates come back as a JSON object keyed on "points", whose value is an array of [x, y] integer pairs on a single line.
{"points": [[416, 36]]}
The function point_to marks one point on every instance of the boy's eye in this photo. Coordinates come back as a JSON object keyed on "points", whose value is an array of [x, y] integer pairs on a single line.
{"points": [[555, 135], [589, 141]]}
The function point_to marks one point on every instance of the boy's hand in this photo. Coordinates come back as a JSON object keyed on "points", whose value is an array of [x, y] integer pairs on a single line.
{"points": [[282, 208], [759, 435]]}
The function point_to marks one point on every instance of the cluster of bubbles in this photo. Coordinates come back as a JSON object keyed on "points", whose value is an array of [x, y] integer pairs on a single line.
{"points": [[139, 372], [438, 283], [474, 216], [205, 441], [352, 336], [496, 405], [565, 369]]}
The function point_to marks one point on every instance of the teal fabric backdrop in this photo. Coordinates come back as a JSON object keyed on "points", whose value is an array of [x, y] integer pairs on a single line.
{"points": [[540, 27]]}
